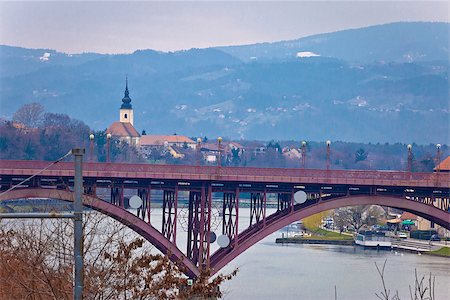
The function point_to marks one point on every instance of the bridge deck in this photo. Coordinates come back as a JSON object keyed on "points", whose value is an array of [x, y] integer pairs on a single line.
{"points": [[229, 174]]}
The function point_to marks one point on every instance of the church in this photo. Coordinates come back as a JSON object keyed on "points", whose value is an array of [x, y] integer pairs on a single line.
{"points": [[124, 129]]}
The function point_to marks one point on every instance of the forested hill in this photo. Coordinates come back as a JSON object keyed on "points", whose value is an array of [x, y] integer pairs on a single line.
{"points": [[386, 83]]}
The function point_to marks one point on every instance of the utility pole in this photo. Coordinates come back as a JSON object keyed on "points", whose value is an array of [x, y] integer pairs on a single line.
{"points": [[78, 224]]}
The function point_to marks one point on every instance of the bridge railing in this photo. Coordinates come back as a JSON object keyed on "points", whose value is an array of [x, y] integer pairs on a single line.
{"points": [[125, 170]]}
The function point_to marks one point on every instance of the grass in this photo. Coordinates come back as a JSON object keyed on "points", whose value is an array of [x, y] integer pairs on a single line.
{"points": [[444, 251], [321, 234]]}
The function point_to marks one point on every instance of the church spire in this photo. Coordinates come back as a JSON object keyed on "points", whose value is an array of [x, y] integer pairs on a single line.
{"points": [[126, 100]]}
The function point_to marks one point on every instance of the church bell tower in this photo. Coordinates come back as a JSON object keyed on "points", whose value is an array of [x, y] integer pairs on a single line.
{"points": [[126, 110]]}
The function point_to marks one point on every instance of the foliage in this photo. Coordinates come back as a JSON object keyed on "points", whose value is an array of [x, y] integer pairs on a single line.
{"points": [[36, 262], [313, 222], [360, 155], [30, 115]]}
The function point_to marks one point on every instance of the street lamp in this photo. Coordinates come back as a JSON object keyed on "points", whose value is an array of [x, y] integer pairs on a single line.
{"points": [[198, 148], [219, 149], [108, 140], [409, 157], [91, 147], [328, 154], [438, 157], [303, 154]]}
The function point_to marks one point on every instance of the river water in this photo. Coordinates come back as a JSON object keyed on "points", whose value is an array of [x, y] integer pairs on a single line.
{"points": [[273, 271]]}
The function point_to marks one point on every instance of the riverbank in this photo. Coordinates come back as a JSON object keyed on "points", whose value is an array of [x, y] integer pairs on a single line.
{"points": [[443, 252], [319, 236], [314, 241]]}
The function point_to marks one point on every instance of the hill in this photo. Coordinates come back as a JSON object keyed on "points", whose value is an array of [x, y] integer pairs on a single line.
{"points": [[375, 92]]}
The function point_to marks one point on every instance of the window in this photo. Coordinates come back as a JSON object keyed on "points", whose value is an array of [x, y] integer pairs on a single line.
{"points": [[125, 116]]}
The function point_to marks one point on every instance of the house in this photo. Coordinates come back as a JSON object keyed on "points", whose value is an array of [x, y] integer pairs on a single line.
{"points": [[443, 166], [292, 153], [176, 145], [167, 140]]}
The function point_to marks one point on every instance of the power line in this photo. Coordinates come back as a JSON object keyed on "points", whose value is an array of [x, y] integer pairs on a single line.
{"points": [[37, 173]]}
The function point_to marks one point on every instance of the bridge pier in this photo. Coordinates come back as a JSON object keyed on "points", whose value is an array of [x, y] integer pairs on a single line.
{"points": [[199, 227]]}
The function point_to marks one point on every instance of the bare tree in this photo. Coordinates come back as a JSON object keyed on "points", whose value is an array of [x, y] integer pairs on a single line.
{"points": [[31, 115], [36, 262], [357, 216]]}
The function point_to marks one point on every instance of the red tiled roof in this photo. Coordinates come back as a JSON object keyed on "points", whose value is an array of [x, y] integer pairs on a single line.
{"points": [[122, 130], [444, 165], [158, 140], [408, 216]]}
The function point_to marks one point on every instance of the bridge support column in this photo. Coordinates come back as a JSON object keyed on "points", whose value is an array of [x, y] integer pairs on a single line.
{"points": [[256, 208], [116, 195], [169, 220], [144, 210], [199, 227], [284, 201], [229, 215]]}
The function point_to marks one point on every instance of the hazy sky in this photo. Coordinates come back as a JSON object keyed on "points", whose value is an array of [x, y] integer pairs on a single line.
{"points": [[122, 27]]}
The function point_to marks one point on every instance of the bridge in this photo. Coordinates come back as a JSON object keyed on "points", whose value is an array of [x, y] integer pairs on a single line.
{"points": [[184, 208]]}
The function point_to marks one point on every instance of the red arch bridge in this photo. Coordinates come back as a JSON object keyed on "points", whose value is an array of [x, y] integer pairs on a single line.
{"points": [[195, 201]]}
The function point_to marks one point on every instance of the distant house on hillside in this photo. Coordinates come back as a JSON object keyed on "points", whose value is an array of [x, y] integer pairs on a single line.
{"points": [[176, 145], [168, 140], [292, 153], [124, 129]]}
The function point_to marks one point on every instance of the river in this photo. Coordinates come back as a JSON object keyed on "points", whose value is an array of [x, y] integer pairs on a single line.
{"points": [[273, 271]]}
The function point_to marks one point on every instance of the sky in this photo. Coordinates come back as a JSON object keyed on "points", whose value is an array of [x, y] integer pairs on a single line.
{"points": [[123, 27]]}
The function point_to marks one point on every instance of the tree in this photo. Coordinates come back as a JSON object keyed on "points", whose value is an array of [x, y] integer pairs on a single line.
{"points": [[360, 155], [357, 216], [36, 262], [31, 115]]}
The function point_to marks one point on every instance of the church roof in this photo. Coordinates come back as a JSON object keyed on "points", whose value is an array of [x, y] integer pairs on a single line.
{"points": [[126, 100], [121, 129], [158, 140]]}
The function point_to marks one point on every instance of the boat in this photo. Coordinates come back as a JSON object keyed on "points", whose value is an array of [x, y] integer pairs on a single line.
{"points": [[369, 239]]}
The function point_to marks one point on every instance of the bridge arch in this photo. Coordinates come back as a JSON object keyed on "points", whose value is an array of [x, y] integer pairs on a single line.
{"points": [[144, 229], [250, 237]]}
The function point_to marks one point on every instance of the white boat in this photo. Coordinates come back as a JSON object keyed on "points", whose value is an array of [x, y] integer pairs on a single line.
{"points": [[372, 240]]}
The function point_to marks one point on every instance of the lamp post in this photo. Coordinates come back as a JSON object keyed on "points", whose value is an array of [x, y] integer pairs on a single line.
{"points": [[91, 147], [303, 154], [108, 146], [438, 157], [199, 152], [328, 154], [219, 149], [409, 157]]}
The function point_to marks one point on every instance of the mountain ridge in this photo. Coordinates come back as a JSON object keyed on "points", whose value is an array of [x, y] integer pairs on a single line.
{"points": [[215, 92]]}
